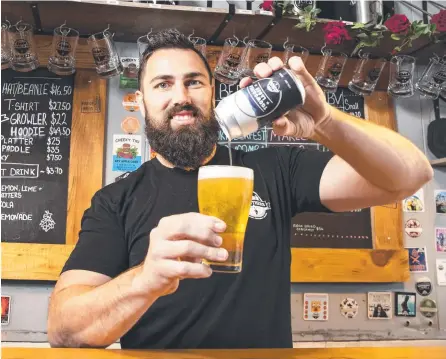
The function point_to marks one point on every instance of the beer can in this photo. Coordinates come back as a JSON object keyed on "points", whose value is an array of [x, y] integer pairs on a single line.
{"points": [[259, 104]]}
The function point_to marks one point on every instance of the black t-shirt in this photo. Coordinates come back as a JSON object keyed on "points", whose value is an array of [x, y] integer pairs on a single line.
{"points": [[250, 309]]}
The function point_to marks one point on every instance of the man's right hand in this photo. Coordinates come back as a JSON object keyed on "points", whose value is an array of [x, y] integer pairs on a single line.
{"points": [[177, 247]]}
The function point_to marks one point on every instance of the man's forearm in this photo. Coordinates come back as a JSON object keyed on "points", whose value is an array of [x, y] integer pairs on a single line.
{"points": [[83, 316], [380, 155]]}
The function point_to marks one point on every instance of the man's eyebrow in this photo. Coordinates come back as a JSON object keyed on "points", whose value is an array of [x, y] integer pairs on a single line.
{"points": [[188, 75]]}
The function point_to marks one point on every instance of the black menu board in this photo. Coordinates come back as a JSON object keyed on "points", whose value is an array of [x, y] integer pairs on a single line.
{"points": [[313, 230], [35, 149]]}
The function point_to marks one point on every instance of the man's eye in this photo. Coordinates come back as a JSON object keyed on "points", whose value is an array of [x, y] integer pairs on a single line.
{"points": [[162, 85], [193, 83]]}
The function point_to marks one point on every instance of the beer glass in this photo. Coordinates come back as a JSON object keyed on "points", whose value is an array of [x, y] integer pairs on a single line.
{"points": [[366, 75], [199, 44], [62, 60], [256, 51], [24, 53], [433, 78], [143, 43], [330, 70], [105, 55], [225, 192], [290, 50], [401, 76], [228, 66], [6, 47]]}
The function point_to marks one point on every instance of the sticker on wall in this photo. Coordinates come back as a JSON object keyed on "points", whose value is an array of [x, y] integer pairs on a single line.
{"points": [[440, 201], [130, 103], [349, 308], [441, 271], [379, 305], [129, 76], [315, 306], [414, 203], [126, 152], [428, 307], [413, 228], [130, 125], [417, 259], [6, 309], [405, 304], [440, 239], [423, 286]]}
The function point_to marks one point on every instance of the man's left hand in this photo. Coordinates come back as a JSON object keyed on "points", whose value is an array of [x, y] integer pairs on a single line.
{"points": [[302, 121]]}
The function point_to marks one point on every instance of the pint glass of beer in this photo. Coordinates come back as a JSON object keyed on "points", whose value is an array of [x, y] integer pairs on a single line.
{"points": [[225, 192]]}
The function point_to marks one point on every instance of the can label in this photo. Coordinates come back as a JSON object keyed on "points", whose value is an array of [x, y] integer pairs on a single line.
{"points": [[269, 98]]}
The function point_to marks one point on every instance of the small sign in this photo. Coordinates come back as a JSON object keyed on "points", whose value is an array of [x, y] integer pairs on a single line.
{"points": [[440, 201], [413, 228], [405, 304], [128, 79], [441, 272], [316, 306], [414, 203], [428, 307], [130, 103], [91, 106], [349, 308], [423, 286], [6, 309], [379, 305], [417, 259], [130, 125], [126, 152]]}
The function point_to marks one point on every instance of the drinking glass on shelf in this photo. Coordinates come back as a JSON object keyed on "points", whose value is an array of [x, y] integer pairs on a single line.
{"points": [[433, 78], [225, 192], [62, 60], [402, 68], [228, 65], [366, 75], [6, 46], [199, 44], [143, 43], [24, 53], [290, 50], [257, 51], [105, 55], [330, 70]]}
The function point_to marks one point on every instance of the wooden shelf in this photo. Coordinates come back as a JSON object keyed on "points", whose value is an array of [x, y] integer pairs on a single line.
{"points": [[441, 162], [129, 20]]}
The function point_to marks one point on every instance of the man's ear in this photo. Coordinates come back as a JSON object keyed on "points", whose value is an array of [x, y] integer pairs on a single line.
{"points": [[140, 99]]}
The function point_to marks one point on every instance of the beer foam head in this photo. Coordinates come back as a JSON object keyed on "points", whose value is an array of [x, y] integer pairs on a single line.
{"points": [[206, 172]]}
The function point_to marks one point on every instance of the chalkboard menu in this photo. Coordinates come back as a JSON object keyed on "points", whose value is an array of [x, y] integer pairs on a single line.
{"points": [[313, 230], [35, 142]]}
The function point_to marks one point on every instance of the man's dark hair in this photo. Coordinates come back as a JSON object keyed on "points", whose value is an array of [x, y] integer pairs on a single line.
{"points": [[168, 39]]}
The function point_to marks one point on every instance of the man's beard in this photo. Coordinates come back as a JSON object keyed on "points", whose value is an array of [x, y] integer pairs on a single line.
{"points": [[187, 146]]}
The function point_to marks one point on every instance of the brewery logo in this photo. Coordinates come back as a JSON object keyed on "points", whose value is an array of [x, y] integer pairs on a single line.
{"points": [[403, 76], [302, 4], [262, 58], [428, 308], [21, 46], [413, 228], [101, 55], [335, 70], [233, 60], [259, 207], [63, 48], [273, 86], [349, 308], [439, 77], [374, 74], [424, 286]]}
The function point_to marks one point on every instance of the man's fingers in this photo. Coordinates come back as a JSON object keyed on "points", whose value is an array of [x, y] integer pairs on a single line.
{"points": [[296, 64], [246, 81], [275, 63], [188, 249], [178, 269], [263, 70]]}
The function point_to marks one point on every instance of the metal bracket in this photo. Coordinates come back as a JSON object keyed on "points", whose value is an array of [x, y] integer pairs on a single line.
{"points": [[425, 18], [36, 16], [277, 18], [223, 24]]}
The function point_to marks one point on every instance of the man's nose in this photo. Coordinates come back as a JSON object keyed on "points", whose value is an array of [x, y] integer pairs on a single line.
{"points": [[181, 95]]}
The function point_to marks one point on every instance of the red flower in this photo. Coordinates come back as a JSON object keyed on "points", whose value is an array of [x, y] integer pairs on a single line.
{"points": [[336, 33], [440, 20], [398, 24], [267, 5]]}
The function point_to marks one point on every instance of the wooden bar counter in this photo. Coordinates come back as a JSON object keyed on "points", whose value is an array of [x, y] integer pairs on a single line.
{"points": [[324, 353]]}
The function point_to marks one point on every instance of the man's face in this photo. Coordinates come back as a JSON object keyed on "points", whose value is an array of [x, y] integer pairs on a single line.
{"points": [[177, 96]]}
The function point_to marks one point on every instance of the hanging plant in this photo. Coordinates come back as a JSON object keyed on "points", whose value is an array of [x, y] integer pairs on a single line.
{"points": [[369, 34], [307, 17]]}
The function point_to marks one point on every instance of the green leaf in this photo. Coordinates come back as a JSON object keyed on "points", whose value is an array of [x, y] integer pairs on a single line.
{"points": [[358, 25], [433, 27], [374, 33], [317, 11], [362, 36], [395, 37], [397, 48], [300, 25]]}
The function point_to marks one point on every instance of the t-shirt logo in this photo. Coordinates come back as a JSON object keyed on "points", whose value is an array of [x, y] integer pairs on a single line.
{"points": [[259, 207]]}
